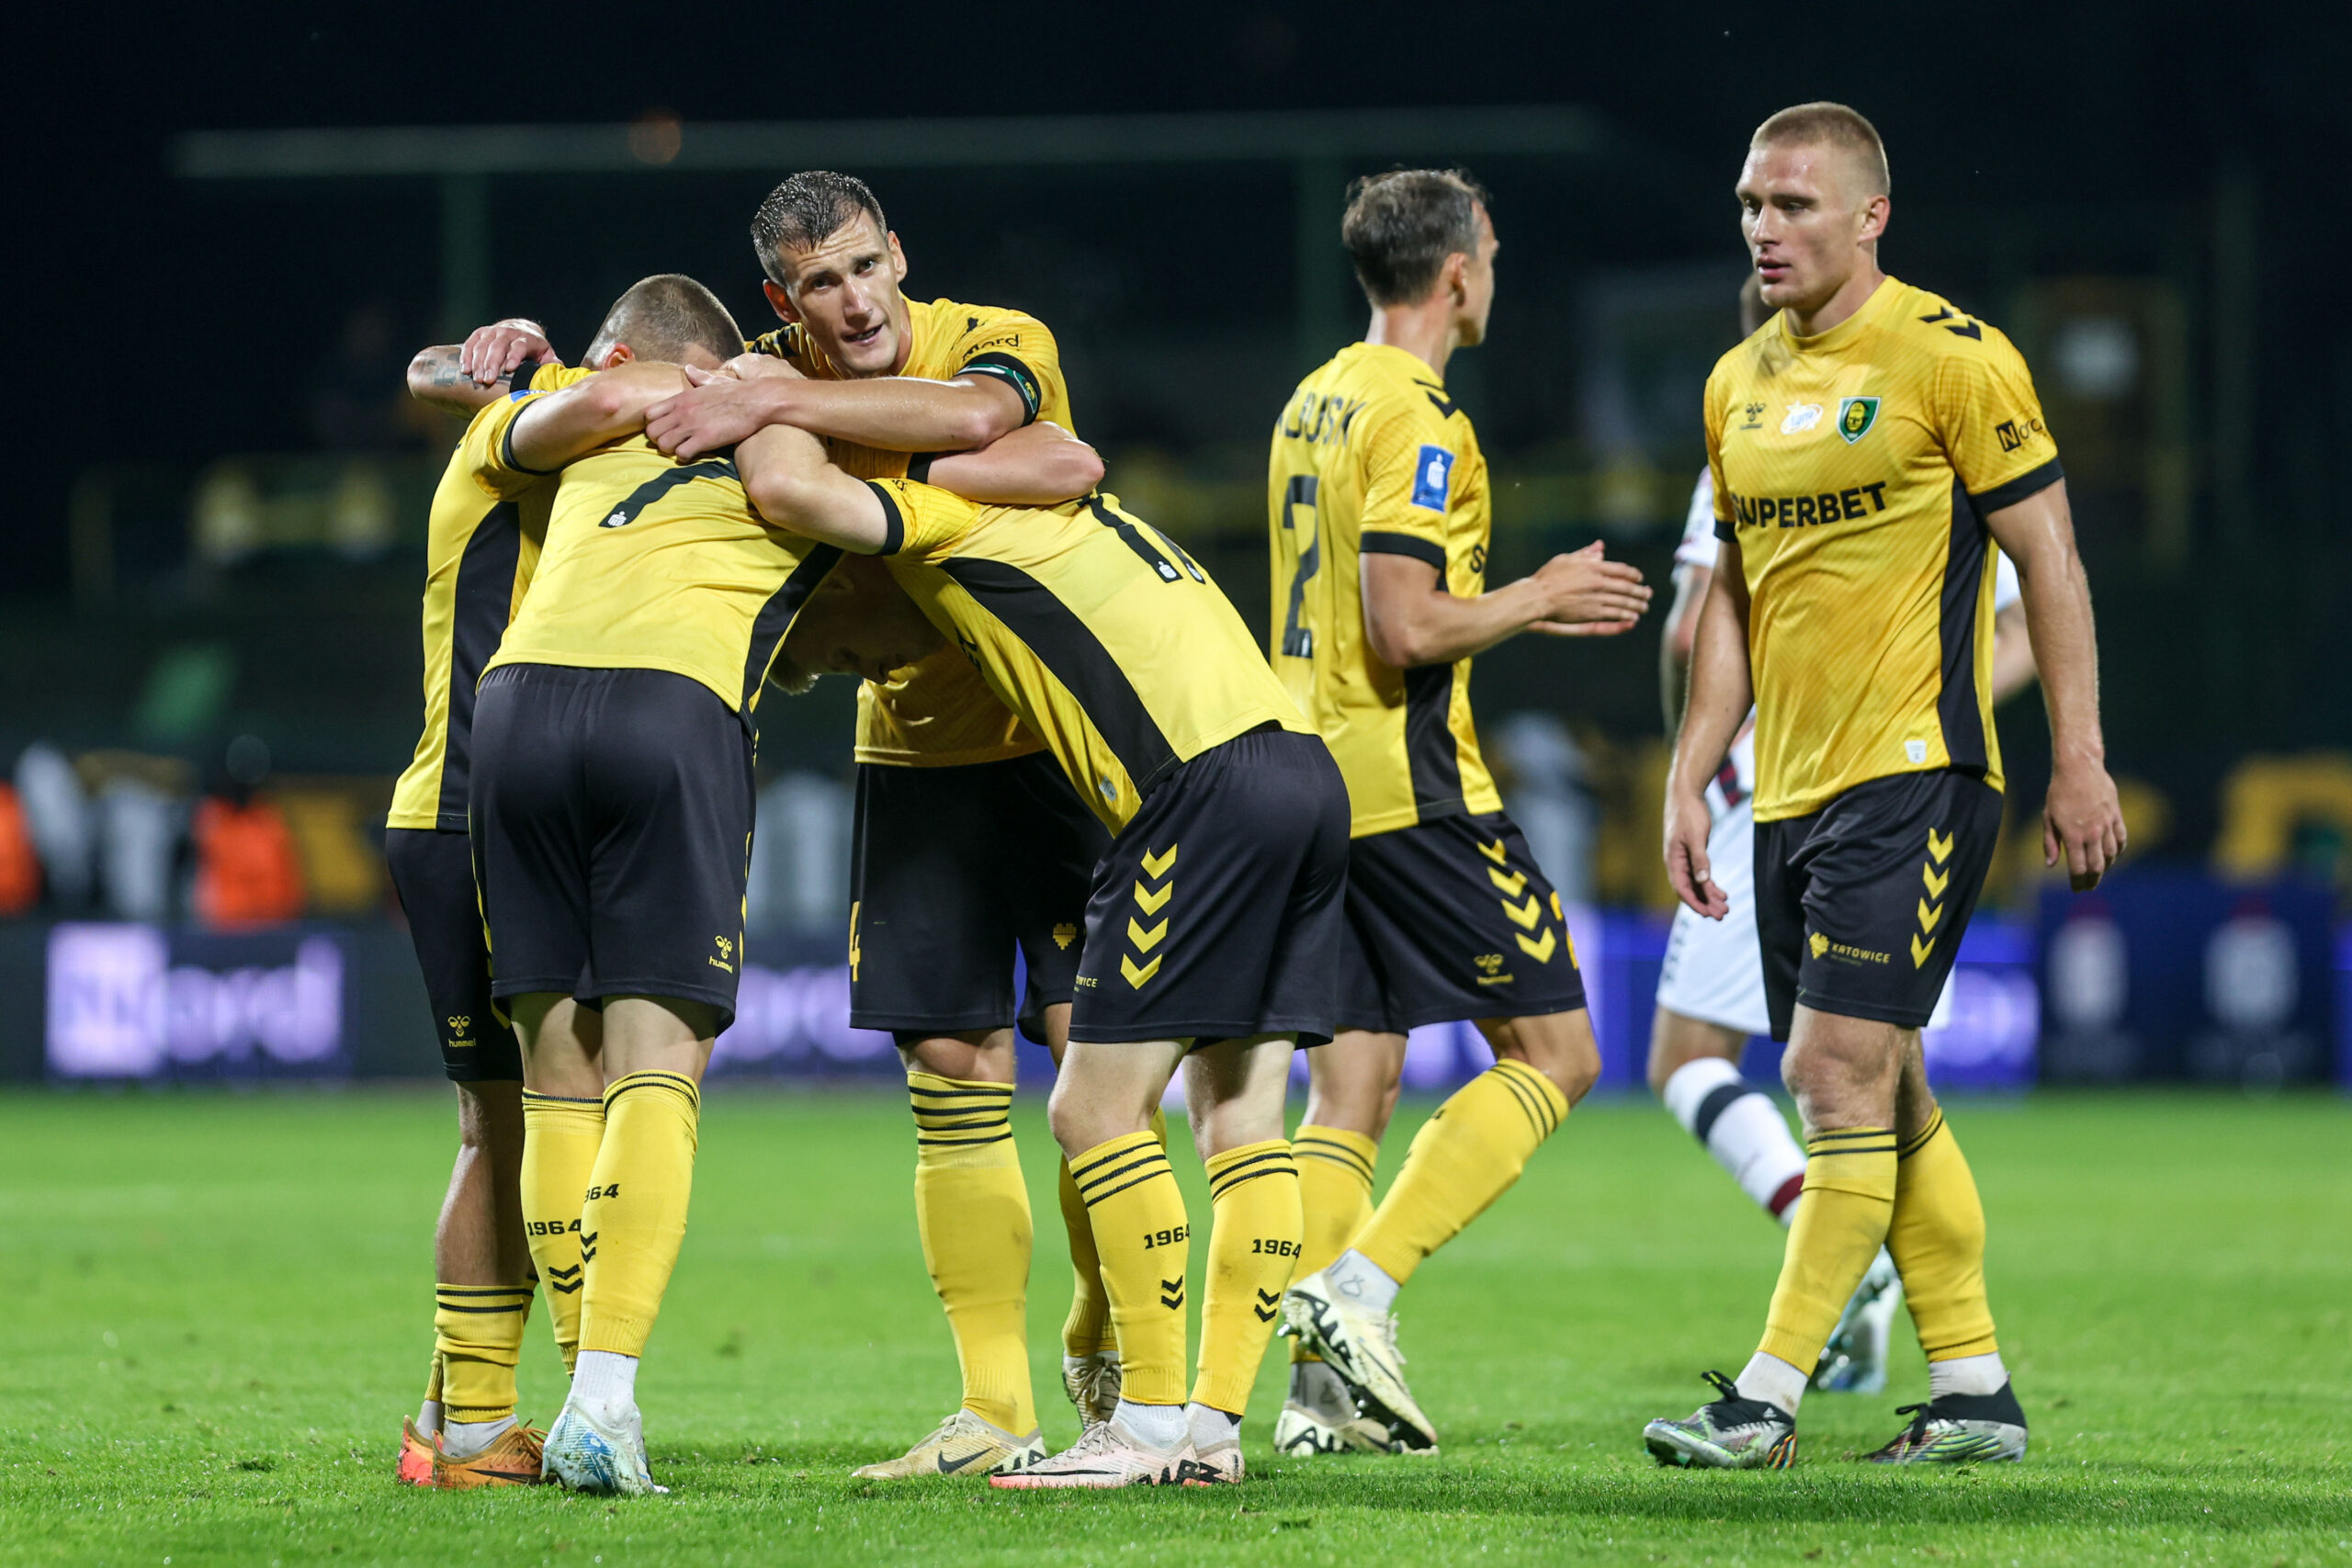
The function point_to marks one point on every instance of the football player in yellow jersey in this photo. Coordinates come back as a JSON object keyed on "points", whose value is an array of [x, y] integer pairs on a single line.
{"points": [[1378, 509], [1868, 445], [968, 844], [1212, 928], [479, 553]]}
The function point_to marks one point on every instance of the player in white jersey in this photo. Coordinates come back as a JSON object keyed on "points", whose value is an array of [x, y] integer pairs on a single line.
{"points": [[1711, 989]]}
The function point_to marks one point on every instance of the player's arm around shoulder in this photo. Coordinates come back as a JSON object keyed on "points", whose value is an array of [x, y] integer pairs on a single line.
{"points": [[793, 485], [552, 429]]}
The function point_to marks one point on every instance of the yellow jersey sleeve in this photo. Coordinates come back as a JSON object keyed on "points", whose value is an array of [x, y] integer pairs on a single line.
{"points": [[1990, 423], [488, 449], [1014, 348], [1408, 460], [921, 522], [1711, 412]]}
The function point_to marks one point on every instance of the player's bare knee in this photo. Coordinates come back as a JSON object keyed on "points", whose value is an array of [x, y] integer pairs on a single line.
{"points": [[490, 1117], [979, 1056], [1559, 1045]]}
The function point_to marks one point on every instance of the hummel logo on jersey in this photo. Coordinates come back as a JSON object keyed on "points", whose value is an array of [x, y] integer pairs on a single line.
{"points": [[1753, 414], [1800, 418]]}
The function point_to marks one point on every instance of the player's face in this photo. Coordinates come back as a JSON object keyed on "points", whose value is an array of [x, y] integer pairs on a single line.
{"points": [[860, 623], [844, 290], [1477, 285], [1805, 222]]}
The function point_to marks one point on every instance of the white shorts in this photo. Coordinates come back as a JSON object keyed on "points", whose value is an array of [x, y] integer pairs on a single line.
{"points": [[1713, 970]]}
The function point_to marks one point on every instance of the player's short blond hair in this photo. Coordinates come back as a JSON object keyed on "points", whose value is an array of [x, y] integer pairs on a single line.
{"points": [[1826, 124]]}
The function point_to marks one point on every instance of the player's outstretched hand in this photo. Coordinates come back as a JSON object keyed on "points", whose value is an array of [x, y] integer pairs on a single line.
{"points": [[716, 414], [2083, 821], [1687, 821], [1586, 595], [494, 353]]}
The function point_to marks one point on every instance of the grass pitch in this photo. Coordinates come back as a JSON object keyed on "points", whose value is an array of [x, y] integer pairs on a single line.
{"points": [[220, 1311]]}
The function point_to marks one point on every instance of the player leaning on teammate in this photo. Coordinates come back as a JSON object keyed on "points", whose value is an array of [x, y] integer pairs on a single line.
{"points": [[969, 845], [1211, 929], [1378, 512], [612, 809], [1710, 988], [1870, 446], [481, 551], [967, 842]]}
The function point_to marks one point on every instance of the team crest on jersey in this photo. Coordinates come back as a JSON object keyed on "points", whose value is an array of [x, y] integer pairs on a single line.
{"points": [[1855, 417], [1800, 418], [1432, 477]]}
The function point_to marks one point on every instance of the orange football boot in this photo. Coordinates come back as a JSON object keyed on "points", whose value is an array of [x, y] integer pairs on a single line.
{"points": [[516, 1459], [417, 1453]]}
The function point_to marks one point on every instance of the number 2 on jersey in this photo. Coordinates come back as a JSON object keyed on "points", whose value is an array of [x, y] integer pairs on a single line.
{"points": [[1298, 642]]}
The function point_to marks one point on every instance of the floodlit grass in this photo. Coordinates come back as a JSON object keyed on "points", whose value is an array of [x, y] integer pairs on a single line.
{"points": [[220, 1308]]}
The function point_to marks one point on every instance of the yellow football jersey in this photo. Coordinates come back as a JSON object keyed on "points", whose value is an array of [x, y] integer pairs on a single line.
{"points": [[1854, 469], [651, 564], [938, 714], [1109, 641], [1372, 456], [479, 552]]}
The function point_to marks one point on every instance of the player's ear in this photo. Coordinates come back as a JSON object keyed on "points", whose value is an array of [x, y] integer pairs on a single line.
{"points": [[898, 257], [1456, 277], [619, 354], [780, 301], [1875, 212]]}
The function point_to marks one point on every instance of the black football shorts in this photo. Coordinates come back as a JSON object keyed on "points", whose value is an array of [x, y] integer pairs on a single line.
{"points": [[433, 871], [1860, 907], [611, 833], [952, 870], [1218, 912], [1452, 919]]}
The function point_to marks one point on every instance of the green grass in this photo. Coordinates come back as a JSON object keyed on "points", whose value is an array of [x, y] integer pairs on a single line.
{"points": [[220, 1310]]}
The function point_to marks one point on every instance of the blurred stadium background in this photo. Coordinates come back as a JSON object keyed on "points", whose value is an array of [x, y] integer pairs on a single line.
{"points": [[207, 605]]}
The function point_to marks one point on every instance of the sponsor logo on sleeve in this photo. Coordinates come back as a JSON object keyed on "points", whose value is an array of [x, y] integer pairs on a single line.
{"points": [[2016, 432], [1432, 477]]}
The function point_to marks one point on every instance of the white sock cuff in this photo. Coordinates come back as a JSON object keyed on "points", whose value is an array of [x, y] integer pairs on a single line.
{"points": [[1967, 1375], [604, 1377], [1771, 1379], [1361, 1281], [1686, 1092], [1159, 1426]]}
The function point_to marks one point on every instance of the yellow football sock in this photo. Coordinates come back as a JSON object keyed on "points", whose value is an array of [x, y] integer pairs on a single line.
{"points": [[1087, 1331], [972, 1212], [1137, 1212], [560, 1138], [1938, 1240], [635, 1217], [1841, 1223], [1253, 1246], [1463, 1158], [433, 1378], [478, 1337], [1335, 1169]]}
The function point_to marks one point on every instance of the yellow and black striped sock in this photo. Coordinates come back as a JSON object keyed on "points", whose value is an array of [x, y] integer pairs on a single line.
{"points": [[1137, 1212], [1937, 1235], [1254, 1247], [972, 1212], [560, 1138], [1463, 1158], [635, 1217], [478, 1337], [1087, 1331], [1335, 1169], [1841, 1223]]}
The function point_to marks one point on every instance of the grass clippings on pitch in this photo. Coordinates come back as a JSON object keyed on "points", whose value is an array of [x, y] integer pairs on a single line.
{"points": [[220, 1311]]}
